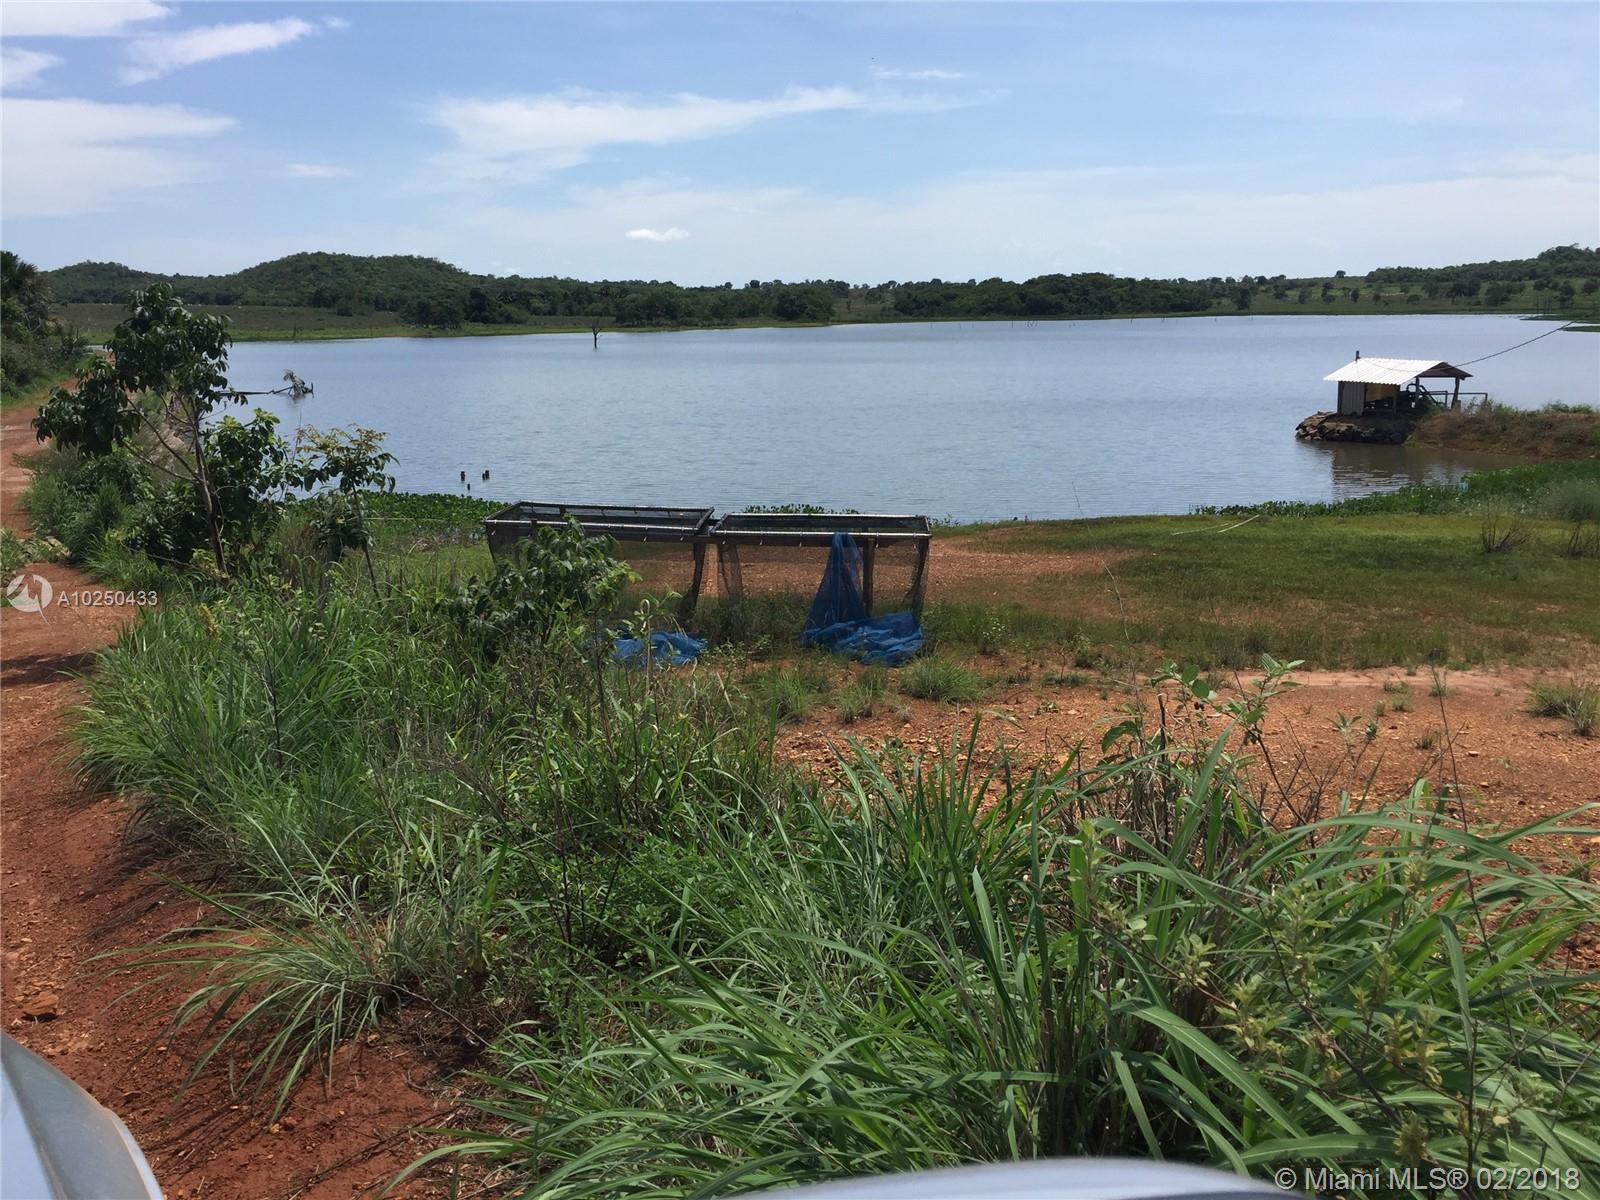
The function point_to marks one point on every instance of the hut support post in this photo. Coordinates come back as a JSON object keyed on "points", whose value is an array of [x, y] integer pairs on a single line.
{"points": [[1455, 399]]}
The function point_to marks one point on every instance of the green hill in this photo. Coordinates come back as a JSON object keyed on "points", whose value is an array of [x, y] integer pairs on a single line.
{"points": [[330, 291]]}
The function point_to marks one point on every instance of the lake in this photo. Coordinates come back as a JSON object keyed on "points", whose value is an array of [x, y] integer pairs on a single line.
{"points": [[971, 421]]}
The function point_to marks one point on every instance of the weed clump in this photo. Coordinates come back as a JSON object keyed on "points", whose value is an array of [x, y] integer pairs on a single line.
{"points": [[938, 678], [1578, 704]]}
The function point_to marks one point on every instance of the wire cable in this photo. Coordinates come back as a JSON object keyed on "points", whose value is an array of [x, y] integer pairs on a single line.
{"points": [[1518, 346]]}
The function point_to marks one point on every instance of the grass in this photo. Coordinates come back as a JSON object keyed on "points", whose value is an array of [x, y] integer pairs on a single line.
{"points": [[1556, 431], [1357, 591], [935, 677], [1578, 704], [790, 692], [648, 927], [936, 967], [864, 696], [36, 391]]}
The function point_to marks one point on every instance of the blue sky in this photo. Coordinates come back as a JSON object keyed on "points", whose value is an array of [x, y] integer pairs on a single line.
{"points": [[712, 142]]}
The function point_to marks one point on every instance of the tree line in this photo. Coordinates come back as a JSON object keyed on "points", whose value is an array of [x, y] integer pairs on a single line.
{"points": [[429, 293]]}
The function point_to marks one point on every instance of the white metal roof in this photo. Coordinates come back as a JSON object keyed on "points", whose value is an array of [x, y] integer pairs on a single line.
{"points": [[1394, 370]]}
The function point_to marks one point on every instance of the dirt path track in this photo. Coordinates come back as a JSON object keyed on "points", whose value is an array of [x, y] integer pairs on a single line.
{"points": [[71, 889]]}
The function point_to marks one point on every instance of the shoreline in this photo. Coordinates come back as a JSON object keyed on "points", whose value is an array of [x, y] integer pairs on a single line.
{"points": [[374, 333]]}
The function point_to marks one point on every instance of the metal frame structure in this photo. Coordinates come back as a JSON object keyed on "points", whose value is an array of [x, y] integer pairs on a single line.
{"points": [[870, 530], [694, 527], [622, 522]]}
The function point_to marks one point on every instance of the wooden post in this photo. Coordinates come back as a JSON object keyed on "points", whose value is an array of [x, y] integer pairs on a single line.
{"points": [[922, 578], [1455, 400], [692, 597], [869, 560]]}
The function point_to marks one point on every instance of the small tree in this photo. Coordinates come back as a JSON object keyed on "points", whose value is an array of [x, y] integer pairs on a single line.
{"points": [[341, 464], [164, 377]]}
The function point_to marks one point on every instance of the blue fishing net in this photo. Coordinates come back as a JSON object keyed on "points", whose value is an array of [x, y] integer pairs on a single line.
{"points": [[666, 649], [838, 619]]}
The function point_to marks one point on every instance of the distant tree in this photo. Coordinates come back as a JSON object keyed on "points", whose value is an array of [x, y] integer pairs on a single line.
{"points": [[1242, 298]]}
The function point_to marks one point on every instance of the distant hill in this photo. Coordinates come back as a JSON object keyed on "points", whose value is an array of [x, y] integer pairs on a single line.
{"points": [[312, 280], [426, 292]]}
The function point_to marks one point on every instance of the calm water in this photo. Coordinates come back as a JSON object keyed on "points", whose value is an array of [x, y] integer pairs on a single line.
{"points": [[971, 421]]}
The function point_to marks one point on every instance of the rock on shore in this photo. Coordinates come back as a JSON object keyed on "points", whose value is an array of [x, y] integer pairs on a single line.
{"points": [[1331, 427]]}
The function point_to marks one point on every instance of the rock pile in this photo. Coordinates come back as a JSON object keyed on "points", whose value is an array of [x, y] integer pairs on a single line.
{"points": [[1331, 427]]}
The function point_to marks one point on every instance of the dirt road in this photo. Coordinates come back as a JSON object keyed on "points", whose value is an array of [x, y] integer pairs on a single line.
{"points": [[71, 889]]}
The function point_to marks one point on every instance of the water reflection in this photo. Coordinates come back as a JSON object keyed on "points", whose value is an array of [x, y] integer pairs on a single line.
{"points": [[1357, 469]]}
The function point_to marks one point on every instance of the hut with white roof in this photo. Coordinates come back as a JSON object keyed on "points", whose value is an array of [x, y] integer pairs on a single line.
{"points": [[1395, 387]]}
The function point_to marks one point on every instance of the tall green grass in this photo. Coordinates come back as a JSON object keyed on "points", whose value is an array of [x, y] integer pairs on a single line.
{"points": [[347, 765], [937, 966], [695, 971]]}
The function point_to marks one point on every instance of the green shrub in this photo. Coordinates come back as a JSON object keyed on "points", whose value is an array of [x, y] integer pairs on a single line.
{"points": [[938, 678], [1576, 500], [558, 577]]}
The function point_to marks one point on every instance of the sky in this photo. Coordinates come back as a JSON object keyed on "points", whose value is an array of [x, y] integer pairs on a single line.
{"points": [[705, 143]]}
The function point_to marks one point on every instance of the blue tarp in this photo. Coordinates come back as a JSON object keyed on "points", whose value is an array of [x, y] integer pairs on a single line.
{"points": [[838, 620], [666, 649]]}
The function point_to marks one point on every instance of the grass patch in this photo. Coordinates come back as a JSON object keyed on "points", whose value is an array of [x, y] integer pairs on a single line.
{"points": [[1362, 591], [864, 696], [790, 692], [938, 678], [1569, 431], [648, 927], [1578, 704], [995, 969], [1066, 679]]}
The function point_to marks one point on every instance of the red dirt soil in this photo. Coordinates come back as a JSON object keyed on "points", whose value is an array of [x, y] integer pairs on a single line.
{"points": [[74, 889]]}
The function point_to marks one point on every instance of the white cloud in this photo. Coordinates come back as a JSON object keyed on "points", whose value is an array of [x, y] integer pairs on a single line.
{"points": [[557, 130], [335, 23], [54, 18], [299, 170], [18, 67], [155, 55], [924, 75], [73, 156], [673, 234]]}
